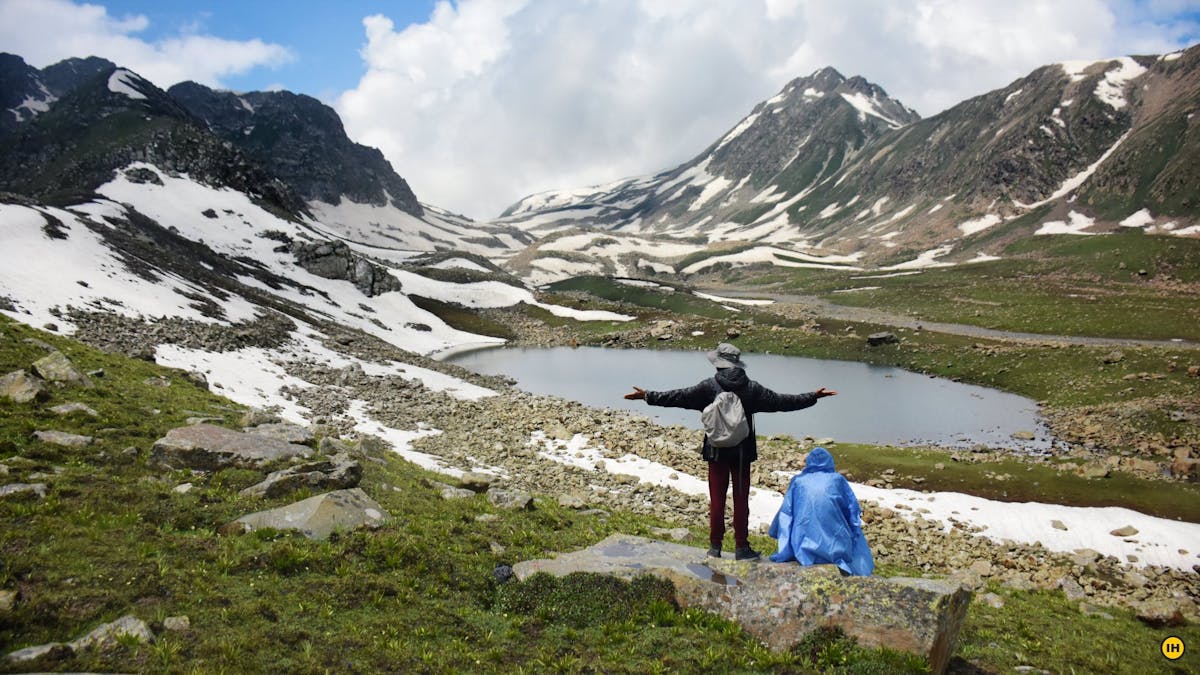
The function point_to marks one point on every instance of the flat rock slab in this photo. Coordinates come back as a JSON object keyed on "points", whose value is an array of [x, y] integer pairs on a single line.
{"points": [[208, 447], [62, 438], [318, 517], [779, 603], [292, 433]]}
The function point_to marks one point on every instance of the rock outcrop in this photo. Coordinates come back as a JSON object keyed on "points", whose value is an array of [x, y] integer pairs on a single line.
{"points": [[106, 636], [334, 473], [208, 448], [22, 387], [335, 260], [317, 517], [781, 603]]}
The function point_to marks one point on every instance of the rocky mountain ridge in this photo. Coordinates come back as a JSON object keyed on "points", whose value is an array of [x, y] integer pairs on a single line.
{"points": [[73, 124], [833, 166]]}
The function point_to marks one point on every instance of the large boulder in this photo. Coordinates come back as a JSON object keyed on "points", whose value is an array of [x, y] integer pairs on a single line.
{"points": [[318, 517], [22, 387], [284, 431], [208, 447], [781, 603], [56, 367]]}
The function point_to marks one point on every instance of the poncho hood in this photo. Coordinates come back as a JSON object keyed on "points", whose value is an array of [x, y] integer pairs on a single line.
{"points": [[818, 460]]}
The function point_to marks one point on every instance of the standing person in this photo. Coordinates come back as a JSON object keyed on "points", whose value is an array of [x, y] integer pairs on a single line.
{"points": [[724, 463], [820, 520]]}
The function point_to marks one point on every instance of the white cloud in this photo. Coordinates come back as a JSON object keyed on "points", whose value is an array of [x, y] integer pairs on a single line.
{"points": [[47, 31], [491, 100]]}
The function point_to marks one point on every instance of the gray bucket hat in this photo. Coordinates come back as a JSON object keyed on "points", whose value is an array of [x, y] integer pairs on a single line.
{"points": [[726, 356]]}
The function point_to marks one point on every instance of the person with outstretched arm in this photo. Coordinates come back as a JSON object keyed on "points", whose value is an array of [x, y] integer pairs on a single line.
{"points": [[730, 462]]}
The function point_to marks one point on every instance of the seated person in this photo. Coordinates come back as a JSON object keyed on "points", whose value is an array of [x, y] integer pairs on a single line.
{"points": [[820, 520]]}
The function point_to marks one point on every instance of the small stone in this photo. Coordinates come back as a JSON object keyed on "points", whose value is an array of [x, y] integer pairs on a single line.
{"points": [[477, 481], [1072, 589], [14, 489], [1127, 531], [8, 600], [513, 501], [571, 501], [62, 438], [177, 624], [183, 488], [68, 408], [1058, 525], [991, 600]]}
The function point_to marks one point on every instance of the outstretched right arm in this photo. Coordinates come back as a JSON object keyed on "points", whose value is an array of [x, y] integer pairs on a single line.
{"points": [[692, 398]]}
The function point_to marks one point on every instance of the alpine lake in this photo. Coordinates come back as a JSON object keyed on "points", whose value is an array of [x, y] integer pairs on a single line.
{"points": [[875, 404]]}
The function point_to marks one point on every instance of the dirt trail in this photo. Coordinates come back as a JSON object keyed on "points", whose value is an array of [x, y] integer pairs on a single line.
{"points": [[829, 310]]}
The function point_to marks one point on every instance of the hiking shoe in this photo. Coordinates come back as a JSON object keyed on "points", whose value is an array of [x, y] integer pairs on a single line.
{"points": [[746, 553], [714, 552]]}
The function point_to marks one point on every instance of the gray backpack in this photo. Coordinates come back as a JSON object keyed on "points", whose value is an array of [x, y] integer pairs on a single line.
{"points": [[725, 421]]}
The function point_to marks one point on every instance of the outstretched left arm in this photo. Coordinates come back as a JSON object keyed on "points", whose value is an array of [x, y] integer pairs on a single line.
{"points": [[766, 400]]}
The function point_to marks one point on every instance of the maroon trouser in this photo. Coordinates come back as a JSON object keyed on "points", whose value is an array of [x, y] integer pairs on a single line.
{"points": [[719, 473]]}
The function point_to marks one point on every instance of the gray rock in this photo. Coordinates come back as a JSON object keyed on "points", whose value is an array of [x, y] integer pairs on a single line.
{"points": [[1160, 613], [571, 501], [283, 431], [333, 474], [449, 492], [58, 368], [318, 517], [15, 489], [177, 624], [884, 338], [781, 603], [8, 600], [1058, 525], [74, 407], [1072, 589], [183, 488], [208, 448], [257, 416], [23, 387], [513, 501], [991, 600], [1126, 531], [477, 481], [108, 634], [63, 439], [56, 651]]}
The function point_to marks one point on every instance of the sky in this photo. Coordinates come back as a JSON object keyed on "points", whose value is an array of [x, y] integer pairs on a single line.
{"points": [[478, 103]]}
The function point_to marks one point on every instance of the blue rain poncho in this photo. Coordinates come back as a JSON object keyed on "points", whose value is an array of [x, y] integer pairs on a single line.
{"points": [[820, 520]]}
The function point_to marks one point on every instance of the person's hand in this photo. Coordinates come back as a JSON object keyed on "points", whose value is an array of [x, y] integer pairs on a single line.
{"points": [[636, 395], [822, 392]]}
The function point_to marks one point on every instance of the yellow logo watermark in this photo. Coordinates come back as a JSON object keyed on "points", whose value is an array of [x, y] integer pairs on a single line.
{"points": [[1172, 648]]}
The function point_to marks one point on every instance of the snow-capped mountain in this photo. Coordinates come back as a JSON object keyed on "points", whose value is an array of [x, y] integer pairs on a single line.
{"points": [[832, 170], [71, 125]]}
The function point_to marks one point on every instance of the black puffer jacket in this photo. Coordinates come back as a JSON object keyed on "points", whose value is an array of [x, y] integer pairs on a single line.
{"points": [[755, 399]]}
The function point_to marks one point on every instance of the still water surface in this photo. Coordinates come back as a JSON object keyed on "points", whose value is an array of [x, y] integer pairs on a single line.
{"points": [[875, 404]]}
